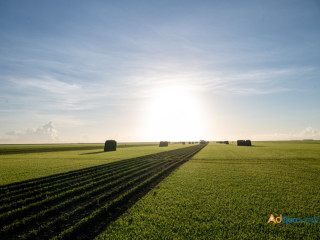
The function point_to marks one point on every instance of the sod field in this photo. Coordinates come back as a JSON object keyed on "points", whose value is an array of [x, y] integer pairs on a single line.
{"points": [[80, 204], [22, 162], [213, 191], [230, 192]]}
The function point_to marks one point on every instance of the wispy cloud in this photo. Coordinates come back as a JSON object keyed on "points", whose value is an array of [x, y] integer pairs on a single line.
{"points": [[49, 93], [306, 133], [47, 84], [267, 81]]}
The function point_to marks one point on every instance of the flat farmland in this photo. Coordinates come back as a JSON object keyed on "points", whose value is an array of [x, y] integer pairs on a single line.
{"points": [[230, 192], [217, 191], [22, 162], [80, 204]]}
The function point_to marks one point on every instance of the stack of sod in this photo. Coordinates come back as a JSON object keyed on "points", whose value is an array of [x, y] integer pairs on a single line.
{"points": [[110, 145], [244, 143], [163, 144]]}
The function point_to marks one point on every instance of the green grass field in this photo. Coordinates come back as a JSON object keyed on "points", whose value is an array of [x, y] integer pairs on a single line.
{"points": [[229, 192], [223, 192], [49, 160], [80, 204]]}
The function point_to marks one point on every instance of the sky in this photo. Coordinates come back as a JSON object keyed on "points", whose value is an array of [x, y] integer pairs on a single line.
{"points": [[88, 71]]}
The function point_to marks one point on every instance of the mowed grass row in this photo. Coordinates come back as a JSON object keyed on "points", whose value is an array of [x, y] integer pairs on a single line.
{"points": [[38, 191], [229, 192], [21, 167], [64, 204]]}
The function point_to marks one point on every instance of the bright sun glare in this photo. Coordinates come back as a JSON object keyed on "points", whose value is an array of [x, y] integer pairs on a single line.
{"points": [[174, 114]]}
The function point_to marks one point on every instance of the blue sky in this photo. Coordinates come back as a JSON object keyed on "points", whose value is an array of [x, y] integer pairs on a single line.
{"points": [[79, 71]]}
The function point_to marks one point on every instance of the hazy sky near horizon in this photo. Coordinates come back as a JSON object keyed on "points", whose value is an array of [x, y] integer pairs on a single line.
{"points": [[87, 71]]}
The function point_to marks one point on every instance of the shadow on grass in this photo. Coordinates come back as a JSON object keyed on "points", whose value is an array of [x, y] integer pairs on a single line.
{"points": [[251, 146], [92, 153]]}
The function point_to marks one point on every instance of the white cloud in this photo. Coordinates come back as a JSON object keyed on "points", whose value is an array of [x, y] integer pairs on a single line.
{"points": [[310, 132], [43, 134], [307, 133]]}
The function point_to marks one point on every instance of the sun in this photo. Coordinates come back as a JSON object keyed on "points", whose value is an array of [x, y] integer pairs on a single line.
{"points": [[174, 114]]}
